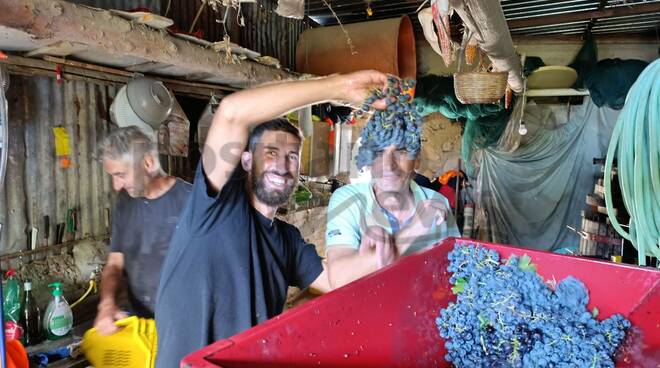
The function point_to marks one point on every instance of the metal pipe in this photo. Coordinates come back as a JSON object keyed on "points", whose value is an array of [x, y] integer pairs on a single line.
{"points": [[3, 346], [53, 248], [4, 122], [336, 156], [4, 83]]}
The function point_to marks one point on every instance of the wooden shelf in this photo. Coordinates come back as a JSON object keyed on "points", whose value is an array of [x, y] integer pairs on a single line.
{"points": [[556, 92]]}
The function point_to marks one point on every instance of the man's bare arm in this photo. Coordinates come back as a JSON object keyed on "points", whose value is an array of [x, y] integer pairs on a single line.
{"points": [[346, 265], [241, 111], [111, 279]]}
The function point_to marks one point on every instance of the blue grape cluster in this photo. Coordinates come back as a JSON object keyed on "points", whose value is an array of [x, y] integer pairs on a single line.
{"points": [[505, 315], [400, 124]]}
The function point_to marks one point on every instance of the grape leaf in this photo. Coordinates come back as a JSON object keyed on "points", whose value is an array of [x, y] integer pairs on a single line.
{"points": [[525, 264], [483, 321], [459, 286]]}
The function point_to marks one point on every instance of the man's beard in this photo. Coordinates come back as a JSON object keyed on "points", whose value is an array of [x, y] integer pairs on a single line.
{"points": [[272, 197]]}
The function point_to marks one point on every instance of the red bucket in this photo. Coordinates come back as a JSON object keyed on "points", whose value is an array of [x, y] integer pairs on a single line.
{"points": [[387, 319]]}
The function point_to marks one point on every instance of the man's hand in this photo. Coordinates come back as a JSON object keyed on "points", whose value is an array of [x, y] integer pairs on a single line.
{"points": [[428, 213], [106, 316], [360, 85], [376, 239]]}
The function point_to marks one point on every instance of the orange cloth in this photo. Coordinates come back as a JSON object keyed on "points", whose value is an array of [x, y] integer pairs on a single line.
{"points": [[446, 177], [16, 355]]}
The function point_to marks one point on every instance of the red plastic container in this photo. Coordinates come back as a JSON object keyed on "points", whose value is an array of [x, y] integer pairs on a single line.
{"points": [[387, 319]]}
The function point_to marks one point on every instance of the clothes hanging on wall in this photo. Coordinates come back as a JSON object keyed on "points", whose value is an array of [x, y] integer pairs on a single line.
{"points": [[610, 80]]}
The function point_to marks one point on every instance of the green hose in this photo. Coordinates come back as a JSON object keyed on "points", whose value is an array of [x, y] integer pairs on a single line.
{"points": [[636, 144]]}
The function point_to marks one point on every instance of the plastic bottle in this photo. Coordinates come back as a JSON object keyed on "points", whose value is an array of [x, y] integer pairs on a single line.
{"points": [[11, 291], [30, 317], [58, 319]]}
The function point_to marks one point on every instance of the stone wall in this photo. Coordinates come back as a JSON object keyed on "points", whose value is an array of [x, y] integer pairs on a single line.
{"points": [[441, 145], [72, 267]]}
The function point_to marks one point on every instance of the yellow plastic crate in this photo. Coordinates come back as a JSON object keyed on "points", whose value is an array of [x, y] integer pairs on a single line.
{"points": [[133, 346]]}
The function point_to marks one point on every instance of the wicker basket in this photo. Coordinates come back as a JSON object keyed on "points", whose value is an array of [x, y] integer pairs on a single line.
{"points": [[480, 87]]}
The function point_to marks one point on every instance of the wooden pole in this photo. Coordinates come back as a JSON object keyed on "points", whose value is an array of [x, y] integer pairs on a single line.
{"points": [[58, 20], [199, 13], [75, 70]]}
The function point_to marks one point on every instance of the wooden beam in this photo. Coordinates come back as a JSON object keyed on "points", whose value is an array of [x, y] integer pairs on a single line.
{"points": [[556, 92], [58, 20], [149, 66], [60, 48], [621, 11], [104, 75], [79, 64]]}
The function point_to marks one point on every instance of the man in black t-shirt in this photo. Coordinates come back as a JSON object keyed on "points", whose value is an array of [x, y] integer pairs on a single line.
{"points": [[230, 261], [148, 208]]}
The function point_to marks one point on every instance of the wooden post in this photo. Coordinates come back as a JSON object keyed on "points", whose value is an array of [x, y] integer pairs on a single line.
{"points": [[58, 20]]}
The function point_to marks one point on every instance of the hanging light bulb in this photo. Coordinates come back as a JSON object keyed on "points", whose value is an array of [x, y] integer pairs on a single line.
{"points": [[522, 130], [370, 11]]}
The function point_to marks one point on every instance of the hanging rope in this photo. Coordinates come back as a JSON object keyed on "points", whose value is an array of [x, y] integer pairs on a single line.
{"points": [[636, 144], [400, 124]]}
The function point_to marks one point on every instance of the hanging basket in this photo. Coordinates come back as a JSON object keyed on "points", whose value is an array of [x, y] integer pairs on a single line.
{"points": [[480, 87]]}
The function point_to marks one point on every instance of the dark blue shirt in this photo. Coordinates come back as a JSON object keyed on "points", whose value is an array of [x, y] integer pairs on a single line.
{"points": [[425, 182], [141, 230], [228, 269]]}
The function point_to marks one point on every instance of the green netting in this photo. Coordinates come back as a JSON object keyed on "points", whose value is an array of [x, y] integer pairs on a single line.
{"points": [[484, 123], [610, 80]]}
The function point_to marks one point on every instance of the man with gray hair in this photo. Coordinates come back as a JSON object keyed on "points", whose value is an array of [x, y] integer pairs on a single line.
{"points": [[148, 208]]}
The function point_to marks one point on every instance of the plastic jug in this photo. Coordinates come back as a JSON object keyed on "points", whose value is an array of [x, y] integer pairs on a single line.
{"points": [[58, 319]]}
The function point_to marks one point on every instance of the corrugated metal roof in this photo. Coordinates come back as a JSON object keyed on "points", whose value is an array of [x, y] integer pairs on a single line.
{"points": [[270, 34], [518, 9], [350, 11], [615, 3], [644, 21]]}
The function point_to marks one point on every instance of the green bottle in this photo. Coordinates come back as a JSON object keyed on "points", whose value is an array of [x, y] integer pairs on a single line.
{"points": [[30, 317], [58, 319]]}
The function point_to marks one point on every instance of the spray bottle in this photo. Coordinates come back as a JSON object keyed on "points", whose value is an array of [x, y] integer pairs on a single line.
{"points": [[58, 319]]}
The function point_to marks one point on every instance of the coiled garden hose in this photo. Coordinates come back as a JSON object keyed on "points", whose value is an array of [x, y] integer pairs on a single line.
{"points": [[636, 145]]}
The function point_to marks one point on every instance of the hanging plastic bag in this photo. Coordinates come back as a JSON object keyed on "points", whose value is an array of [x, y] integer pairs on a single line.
{"points": [[11, 296], [585, 60], [291, 8], [173, 133], [305, 121], [426, 20]]}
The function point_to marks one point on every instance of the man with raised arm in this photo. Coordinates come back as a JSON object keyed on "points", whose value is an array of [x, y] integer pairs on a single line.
{"points": [[230, 259]]}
